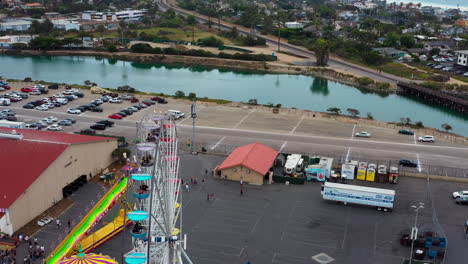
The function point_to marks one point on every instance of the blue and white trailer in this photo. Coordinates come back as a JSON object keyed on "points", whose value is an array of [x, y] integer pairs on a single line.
{"points": [[382, 199]]}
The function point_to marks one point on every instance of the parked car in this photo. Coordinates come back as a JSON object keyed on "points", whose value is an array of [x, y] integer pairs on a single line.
{"points": [[88, 131], [142, 105], [98, 126], [5, 101], [71, 120], [11, 118], [134, 109], [408, 163], [69, 97], [115, 100], [134, 100], [35, 92], [54, 127], [53, 118], [96, 109], [32, 126], [81, 108], [159, 100], [53, 86], [126, 111], [74, 111], [460, 194], [115, 116], [65, 123], [28, 106], [465, 74], [26, 89], [70, 92], [405, 132], [426, 139], [79, 94], [47, 121], [123, 114], [150, 102], [105, 99], [42, 108], [362, 134], [105, 122], [44, 221], [99, 101]]}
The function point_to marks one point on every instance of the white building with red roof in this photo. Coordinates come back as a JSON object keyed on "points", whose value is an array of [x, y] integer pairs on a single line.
{"points": [[250, 163], [39, 167]]}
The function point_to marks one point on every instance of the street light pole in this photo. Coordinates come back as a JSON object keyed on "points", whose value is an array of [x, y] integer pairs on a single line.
{"points": [[414, 230], [193, 114]]}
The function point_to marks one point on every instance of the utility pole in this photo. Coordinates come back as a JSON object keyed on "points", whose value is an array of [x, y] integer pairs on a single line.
{"points": [[193, 114], [414, 230], [279, 30]]}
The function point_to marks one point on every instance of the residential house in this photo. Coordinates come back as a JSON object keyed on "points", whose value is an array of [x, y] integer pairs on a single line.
{"points": [[392, 52], [365, 5], [15, 25], [347, 15], [294, 24], [7, 41], [462, 57], [417, 51], [443, 45], [127, 14], [463, 22], [65, 24]]}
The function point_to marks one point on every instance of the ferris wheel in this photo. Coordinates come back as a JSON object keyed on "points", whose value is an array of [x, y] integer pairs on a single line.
{"points": [[156, 185]]}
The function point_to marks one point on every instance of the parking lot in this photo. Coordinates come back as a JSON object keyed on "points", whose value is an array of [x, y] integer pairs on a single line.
{"points": [[290, 224]]}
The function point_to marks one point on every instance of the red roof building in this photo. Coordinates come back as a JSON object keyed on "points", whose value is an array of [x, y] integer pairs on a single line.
{"points": [[56, 158], [249, 163]]}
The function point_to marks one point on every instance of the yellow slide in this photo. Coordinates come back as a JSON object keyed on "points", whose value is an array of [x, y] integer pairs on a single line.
{"points": [[105, 233]]}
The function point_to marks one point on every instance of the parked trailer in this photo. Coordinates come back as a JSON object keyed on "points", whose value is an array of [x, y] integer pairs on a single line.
{"points": [[382, 199], [10, 124], [293, 164]]}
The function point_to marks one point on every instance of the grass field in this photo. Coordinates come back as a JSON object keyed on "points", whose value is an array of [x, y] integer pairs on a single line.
{"points": [[174, 34], [401, 70]]}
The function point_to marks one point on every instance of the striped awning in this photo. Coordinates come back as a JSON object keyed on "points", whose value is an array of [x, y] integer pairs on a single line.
{"points": [[89, 259]]}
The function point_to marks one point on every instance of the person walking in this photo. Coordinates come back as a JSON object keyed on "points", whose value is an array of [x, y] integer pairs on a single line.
{"points": [[242, 192], [57, 221], [187, 187], [208, 197], [69, 223]]}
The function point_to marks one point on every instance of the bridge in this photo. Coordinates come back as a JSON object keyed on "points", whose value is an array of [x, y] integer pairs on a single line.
{"points": [[435, 97]]}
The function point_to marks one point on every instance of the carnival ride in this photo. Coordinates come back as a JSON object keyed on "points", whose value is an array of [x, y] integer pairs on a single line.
{"points": [[155, 181], [155, 235], [82, 229]]}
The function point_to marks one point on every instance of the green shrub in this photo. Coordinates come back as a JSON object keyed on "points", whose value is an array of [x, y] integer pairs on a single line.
{"points": [[211, 42], [382, 85], [19, 46], [365, 81]]}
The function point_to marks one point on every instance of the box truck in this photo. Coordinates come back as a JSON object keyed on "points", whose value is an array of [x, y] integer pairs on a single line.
{"points": [[382, 199], [4, 123]]}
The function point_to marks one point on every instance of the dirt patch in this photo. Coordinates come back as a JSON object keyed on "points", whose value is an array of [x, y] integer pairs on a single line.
{"points": [[54, 211]]}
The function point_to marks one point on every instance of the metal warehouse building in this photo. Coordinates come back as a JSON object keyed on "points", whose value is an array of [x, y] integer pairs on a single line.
{"points": [[37, 165]]}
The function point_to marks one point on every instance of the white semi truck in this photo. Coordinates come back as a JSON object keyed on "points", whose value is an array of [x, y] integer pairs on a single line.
{"points": [[382, 199]]}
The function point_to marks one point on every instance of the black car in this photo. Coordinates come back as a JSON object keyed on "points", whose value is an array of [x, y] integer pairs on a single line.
{"points": [[57, 104], [71, 120], [44, 90], [137, 107], [79, 94], [105, 99], [81, 108], [29, 106], [98, 126], [96, 109], [69, 97], [123, 114], [53, 86], [131, 110], [88, 131], [105, 122], [128, 112], [408, 163], [94, 104], [89, 106], [11, 118]]}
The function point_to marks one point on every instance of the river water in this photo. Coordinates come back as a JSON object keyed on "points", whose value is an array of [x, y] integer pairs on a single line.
{"points": [[296, 91]]}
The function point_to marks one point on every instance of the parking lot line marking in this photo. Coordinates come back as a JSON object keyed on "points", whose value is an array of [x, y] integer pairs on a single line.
{"points": [[352, 133], [245, 117], [217, 143], [282, 146], [298, 123], [419, 162], [414, 136], [347, 154]]}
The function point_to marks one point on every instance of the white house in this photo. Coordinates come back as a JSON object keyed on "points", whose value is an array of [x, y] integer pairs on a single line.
{"points": [[365, 5], [15, 25], [293, 25], [66, 24], [462, 57], [127, 14]]}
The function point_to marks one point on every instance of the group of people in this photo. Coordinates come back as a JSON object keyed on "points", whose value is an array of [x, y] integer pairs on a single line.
{"points": [[35, 251], [192, 181], [8, 256]]}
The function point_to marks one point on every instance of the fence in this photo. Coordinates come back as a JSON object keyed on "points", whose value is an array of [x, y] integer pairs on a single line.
{"points": [[340, 158]]}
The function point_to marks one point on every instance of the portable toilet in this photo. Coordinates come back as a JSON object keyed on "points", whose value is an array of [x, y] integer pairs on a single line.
{"points": [[361, 173], [347, 170], [372, 166], [393, 176], [370, 176], [362, 164]]}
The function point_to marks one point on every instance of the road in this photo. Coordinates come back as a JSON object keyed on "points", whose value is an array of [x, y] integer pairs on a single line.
{"points": [[300, 51]]}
